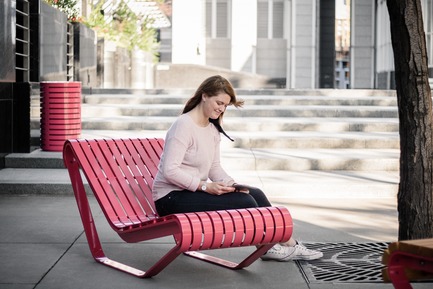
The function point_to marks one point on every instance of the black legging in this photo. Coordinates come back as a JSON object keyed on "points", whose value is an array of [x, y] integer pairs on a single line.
{"points": [[186, 201]]}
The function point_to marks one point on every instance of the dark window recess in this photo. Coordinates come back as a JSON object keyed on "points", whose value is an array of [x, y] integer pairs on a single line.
{"points": [[22, 54]]}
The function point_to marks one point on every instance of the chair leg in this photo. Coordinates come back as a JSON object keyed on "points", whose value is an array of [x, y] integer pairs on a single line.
{"points": [[152, 271], [228, 264], [398, 277], [93, 237], [84, 210], [122, 267], [404, 266]]}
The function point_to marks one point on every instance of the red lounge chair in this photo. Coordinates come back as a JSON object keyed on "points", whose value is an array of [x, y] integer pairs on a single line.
{"points": [[120, 173], [407, 261]]}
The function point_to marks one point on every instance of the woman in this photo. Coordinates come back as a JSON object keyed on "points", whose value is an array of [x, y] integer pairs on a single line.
{"points": [[191, 157]]}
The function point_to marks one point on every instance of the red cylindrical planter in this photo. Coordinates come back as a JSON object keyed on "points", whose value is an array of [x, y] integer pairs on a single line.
{"points": [[60, 113]]}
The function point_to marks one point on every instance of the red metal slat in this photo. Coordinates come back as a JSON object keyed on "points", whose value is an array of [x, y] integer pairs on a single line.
{"points": [[207, 228], [60, 114], [197, 231], [248, 227], [153, 151], [113, 167], [186, 235], [67, 126], [144, 193], [62, 90], [68, 91], [59, 134], [131, 190], [55, 120], [238, 227], [83, 154], [61, 99], [288, 223], [58, 85], [62, 107], [218, 229], [228, 228], [279, 225], [109, 184], [142, 160], [145, 149], [259, 226], [155, 154], [269, 226]]}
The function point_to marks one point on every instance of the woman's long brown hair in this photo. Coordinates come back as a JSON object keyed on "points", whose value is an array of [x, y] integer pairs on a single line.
{"points": [[212, 86]]}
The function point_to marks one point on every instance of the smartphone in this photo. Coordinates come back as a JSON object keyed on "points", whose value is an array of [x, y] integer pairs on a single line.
{"points": [[241, 189]]}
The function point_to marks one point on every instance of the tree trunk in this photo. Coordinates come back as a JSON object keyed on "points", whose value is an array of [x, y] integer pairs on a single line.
{"points": [[415, 195]]}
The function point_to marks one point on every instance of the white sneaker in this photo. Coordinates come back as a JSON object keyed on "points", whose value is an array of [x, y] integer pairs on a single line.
{"points": [[286, 253], [303, 253]]}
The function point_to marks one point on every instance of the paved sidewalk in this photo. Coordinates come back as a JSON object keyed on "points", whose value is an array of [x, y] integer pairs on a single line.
{"points": [[43, 246]]}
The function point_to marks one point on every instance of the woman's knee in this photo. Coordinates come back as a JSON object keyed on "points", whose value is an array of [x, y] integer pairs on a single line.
{"points": [[245, 201], [259, 197]]}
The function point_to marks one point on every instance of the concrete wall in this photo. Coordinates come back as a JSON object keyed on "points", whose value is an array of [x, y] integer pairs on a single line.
{"points": [[272, 57], [303, 44], [7, 44], [85, 55], [218, 52], [116, 66], [53, 37], [326, 71], [191, 75], [362, 61]]}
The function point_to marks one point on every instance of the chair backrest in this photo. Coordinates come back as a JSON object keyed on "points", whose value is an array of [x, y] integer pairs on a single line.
{"points": [[120, 172]]}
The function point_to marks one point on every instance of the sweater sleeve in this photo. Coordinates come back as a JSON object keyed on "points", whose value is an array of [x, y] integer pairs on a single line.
{"points": [[216, 172], [177, 141], [191, 154]]}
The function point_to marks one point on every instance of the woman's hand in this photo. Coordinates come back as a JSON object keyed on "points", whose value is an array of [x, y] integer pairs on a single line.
{"points": [[218, 188], [241, 188]]}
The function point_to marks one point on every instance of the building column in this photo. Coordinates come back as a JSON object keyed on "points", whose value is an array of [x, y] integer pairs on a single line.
{"points": [[188, 32], [302, 44], [244, 35], [362, 43]]}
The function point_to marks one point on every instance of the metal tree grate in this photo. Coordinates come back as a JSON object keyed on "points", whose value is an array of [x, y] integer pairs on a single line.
{"points": [[345, 263]]}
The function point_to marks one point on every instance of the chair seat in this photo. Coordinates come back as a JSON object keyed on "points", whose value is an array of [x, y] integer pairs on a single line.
{"points": [[407, 261], [120, 173]]}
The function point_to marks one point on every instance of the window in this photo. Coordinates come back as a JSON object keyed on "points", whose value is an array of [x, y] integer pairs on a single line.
{"points": [[270, 19], [277, 21], [428, 20], [217, 18], [262, 19]]}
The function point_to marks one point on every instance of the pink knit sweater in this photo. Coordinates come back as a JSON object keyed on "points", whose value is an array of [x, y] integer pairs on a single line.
{"points": [[191, 154]]}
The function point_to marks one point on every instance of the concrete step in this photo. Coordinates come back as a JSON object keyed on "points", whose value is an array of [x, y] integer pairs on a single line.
{"points": [[35, 159], [311, 140], [272, 139], [366, 160], [28, 181], [257, 159], [249, 99], [150, 110], [283, 185], [336, 124], [241, 91], [278, 185], [291, 143]]}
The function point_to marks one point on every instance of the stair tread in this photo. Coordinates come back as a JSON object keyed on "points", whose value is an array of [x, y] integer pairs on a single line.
{"points": [[231, 152], [291, 143], [303, 184]]}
